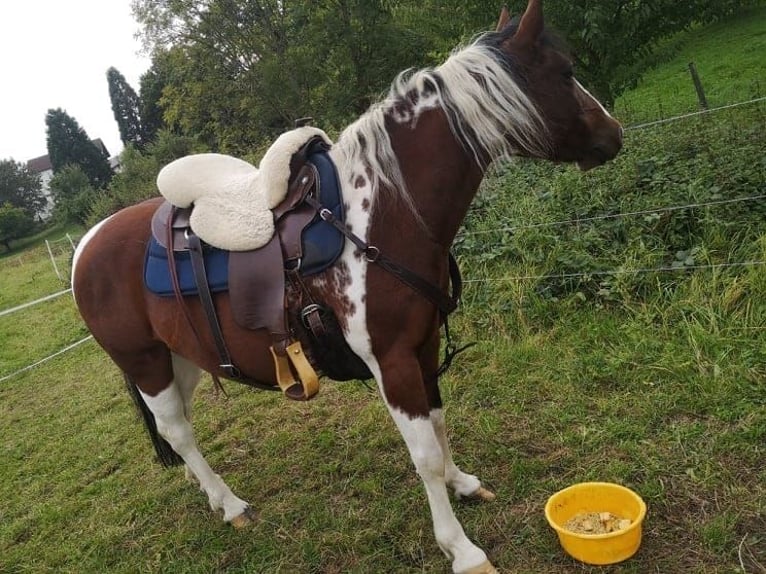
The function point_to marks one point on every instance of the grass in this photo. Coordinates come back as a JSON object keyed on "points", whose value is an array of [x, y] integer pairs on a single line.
{"points": [[27, 271], [728, 57], [654, 380]]}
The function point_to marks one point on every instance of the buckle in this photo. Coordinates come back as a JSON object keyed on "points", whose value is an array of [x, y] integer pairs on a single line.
{"points": [[308, 310], [371, 253]]}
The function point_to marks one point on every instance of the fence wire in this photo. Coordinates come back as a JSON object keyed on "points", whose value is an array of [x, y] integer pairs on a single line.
{"points": [[580, 220], [575, 221], [693, 114], [640, 271], [46, 359]]}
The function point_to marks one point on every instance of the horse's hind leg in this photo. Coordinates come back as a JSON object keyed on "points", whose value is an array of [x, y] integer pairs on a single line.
{"points": [[186, 375], [170, 408]]}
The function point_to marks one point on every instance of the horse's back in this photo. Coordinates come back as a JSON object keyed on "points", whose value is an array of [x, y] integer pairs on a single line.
{"points": [[110, 253]]}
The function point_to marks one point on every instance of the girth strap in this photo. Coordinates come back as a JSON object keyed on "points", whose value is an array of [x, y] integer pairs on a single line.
{"points": [[203, 288]]}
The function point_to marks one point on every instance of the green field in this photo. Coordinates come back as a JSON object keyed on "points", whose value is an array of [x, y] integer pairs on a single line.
{"points": [[618, 348], [729, 60]]}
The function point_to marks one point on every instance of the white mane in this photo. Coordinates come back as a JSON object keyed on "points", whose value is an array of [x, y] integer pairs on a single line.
{"points": [[484, 104]]}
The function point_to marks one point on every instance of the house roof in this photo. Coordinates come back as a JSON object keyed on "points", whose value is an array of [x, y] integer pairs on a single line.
{"points": [[39, 164], [43, 163]]}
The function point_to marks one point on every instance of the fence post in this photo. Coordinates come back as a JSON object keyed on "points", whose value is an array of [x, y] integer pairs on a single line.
{"points": [[53, 259], [698, 86]]}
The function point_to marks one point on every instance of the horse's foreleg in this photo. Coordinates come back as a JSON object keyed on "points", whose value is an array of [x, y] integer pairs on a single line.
{"points": [[169, 412], [406, 399], [465, 485]]}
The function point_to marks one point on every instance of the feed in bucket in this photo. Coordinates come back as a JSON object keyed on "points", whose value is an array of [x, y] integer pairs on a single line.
{"points": [[597, 522]]}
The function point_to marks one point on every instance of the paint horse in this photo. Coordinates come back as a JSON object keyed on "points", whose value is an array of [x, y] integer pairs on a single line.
{"points": [[409, 168]]}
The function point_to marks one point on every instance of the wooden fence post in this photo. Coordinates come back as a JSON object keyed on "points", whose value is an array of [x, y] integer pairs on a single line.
{"points": [[698, 86]]}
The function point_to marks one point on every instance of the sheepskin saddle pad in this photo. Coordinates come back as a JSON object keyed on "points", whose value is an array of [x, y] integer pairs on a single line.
{"points": [[233, 199]]}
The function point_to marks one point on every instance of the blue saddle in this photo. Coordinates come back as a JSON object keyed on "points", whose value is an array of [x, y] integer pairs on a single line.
{"points": [[322, 244]]}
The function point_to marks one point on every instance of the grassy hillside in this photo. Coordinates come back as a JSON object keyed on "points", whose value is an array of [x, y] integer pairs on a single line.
{"points": [[627, 348], [728, 57]]}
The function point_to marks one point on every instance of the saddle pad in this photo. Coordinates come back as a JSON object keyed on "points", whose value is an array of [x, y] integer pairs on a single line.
{"points": [[157, 272], [323, 243]]}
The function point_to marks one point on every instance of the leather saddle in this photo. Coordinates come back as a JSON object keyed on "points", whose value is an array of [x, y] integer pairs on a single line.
{"points": [[257, 278]]}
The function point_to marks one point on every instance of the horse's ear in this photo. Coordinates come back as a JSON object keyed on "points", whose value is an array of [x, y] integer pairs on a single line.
{"points": [[531, 24], [505, 18]]}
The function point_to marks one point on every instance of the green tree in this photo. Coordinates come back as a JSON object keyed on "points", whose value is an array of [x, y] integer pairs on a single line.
{"points": [[69, 144], [137, 179], [15, 223], [365, 46], [126, 108], [72, 193], [243, 70], [152, 84], [21, 188]]}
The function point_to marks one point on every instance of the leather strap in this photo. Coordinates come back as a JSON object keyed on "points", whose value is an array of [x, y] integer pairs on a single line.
{"points": [[444, 302], [203, 288]]}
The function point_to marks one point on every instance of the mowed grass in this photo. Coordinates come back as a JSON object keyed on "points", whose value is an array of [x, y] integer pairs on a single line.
{"points": [[653, 380], [650, 398]]}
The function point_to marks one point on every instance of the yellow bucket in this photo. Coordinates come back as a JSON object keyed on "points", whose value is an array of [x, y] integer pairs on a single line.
{"points": [[597, 497]]}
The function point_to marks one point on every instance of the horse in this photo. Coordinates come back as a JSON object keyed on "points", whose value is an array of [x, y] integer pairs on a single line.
{"points": [[409, 168]]}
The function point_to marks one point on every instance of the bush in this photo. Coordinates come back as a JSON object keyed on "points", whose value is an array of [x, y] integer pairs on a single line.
{"points": [[14, 224], [514, 230], [136, 180], [73, 194]]}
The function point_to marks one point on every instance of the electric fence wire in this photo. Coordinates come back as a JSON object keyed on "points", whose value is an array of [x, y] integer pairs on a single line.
{"points": [[517, 228], [46, 359], [579, 220], [640, 271]]}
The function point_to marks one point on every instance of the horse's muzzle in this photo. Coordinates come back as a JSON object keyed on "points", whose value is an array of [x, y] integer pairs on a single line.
{"points": [[605, 148]]}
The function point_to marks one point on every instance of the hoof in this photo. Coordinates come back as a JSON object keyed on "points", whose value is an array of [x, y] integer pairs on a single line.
{"points": [[485, 568], [485, 495], [244, 520]]}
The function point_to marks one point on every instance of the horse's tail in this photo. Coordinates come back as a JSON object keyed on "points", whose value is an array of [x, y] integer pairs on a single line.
{"points": [[165, 453]]}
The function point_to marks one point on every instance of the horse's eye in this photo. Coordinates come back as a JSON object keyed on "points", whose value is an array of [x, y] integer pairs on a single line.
{"points": [[568, 74]]}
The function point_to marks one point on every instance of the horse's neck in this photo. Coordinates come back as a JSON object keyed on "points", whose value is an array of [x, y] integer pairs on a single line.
{"points": [[442, 178]]}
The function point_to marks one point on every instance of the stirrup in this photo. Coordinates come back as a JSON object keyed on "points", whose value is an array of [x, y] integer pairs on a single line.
{"points": [[307, 385]]}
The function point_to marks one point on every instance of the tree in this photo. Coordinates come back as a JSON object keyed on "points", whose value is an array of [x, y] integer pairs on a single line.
{"points": [[126, 109], [14, 223], [243, 70], [152, 84], [21, 188], [240, 71], [73, 194], [69, 144]]}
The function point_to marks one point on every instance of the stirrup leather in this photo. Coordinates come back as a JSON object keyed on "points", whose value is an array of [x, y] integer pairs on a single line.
{"points": [[294, 359]]}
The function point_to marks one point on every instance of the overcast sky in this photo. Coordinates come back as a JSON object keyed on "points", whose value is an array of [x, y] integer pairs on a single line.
{"points": [[54, 54]]}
